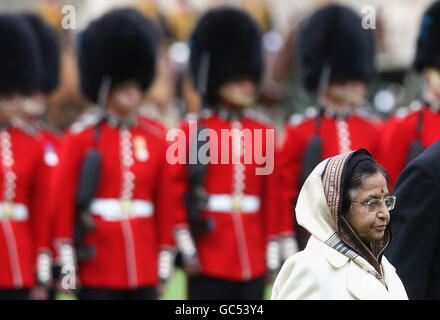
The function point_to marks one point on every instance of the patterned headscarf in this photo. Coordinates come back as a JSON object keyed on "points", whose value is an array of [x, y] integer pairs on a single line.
{"points": [[346, 240]]}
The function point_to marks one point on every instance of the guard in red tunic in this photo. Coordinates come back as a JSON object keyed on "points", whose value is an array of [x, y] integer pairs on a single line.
{"points": [[229, 190], [34, 109], [415, 128], [125, 243], [336, 61], [30, 119], [23, 175]]}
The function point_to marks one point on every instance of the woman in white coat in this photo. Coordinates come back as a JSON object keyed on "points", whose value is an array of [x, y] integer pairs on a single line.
{"points": [[345, 205]]}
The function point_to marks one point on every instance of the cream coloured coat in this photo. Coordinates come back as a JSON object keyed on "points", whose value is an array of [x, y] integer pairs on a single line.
{"points": [[320, 271]]}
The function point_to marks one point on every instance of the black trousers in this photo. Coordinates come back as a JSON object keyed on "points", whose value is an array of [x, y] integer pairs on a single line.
{"points": [[56, 276], [209, 288], [15, 294], [146, 293]]}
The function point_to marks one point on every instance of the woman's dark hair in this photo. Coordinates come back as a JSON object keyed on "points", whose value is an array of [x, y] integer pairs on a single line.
{"points": [[358, 175]]}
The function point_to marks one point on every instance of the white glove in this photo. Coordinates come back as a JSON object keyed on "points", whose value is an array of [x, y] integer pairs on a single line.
{"points": [[273, 256], [186, 245], [44, 269], [188, 250], [166, 264], [67, 262], [67, 255]]}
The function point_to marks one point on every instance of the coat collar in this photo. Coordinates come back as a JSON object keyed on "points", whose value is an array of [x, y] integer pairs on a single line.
{"points": [[31, 129]]}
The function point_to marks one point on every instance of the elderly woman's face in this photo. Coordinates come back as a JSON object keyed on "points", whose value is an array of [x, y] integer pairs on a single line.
{"points": [[370, 225]]}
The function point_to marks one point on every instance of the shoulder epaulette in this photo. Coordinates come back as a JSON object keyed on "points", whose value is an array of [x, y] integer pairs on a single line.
{"points": [[51, 129], [205, 113], [415, 106], [311, 112], [369, 115], [28, 129], [191, 116], [402, 112], [156, 131], [364, 113], [298, 118], [149, 113], [86, 121], [258, 116]]}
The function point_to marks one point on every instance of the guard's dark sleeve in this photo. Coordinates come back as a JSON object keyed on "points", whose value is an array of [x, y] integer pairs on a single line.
{"points": [[415, 227]]}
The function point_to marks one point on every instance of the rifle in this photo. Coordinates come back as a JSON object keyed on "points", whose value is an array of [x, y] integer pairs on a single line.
{"points": [[88, 183], [313, 153], [196, 198], [311, 158]]}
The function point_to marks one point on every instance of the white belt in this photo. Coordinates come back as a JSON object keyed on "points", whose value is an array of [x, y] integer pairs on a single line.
{"points": [[227, 203], [116, 209], [13, 211]]}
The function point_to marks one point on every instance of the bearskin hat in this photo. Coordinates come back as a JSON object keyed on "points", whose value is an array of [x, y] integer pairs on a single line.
{"points": [[49, 46], [229, 41], [18, 56], [428, 43], [122, 44], [333, 36]]}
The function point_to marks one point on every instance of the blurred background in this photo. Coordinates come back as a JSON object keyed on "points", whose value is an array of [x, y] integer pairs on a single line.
{"points": [[396, 26], [395, 22]]}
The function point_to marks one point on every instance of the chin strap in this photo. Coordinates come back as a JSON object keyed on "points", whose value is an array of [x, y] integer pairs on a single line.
{"points": [[31, 107], [237, 100], [344, 97]]}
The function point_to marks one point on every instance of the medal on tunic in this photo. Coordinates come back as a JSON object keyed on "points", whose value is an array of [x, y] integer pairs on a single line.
{"points": [[50, 156], [140, 149]]}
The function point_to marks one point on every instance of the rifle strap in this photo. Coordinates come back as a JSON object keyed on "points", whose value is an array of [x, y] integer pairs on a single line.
{"points": [[97, 131], [419, 124]]}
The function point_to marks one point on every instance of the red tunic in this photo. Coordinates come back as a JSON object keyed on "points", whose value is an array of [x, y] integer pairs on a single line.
{"points": [[51, 142], [127, 241], [23, 184], [337, 136], [235, 248], [399, 134]]}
